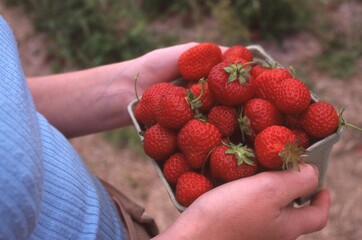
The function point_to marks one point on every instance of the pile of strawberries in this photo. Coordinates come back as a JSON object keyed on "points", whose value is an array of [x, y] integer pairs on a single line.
{"points": [[229, 117]]}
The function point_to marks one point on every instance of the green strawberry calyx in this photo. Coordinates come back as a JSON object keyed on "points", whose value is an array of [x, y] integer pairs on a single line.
{"points": [[244, 124], [291, 155], [242, 153], [239, 71], [195, 102]]}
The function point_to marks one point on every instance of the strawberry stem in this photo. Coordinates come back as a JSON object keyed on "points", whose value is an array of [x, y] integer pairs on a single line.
{"points": [[244, 124], [342, 121], [205, 161], [202, 82], [195, 102]]}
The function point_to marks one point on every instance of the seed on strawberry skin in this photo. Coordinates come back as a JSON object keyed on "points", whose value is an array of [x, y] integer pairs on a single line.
{"points": [[276, 148], [159, 142], [190, 186], [292, 96], [196, 139], [174, 167], [197, 61], [320, 120], [230, 162]]}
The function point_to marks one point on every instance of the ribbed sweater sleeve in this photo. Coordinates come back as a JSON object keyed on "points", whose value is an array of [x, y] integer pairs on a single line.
{"points": [[46, 191], [21, 169]]}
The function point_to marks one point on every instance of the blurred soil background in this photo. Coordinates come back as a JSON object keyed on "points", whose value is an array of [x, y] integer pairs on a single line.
{"points": [[322, 40]]}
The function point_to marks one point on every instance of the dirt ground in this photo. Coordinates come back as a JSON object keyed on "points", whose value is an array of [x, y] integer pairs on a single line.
{"points": [[132, 172]]}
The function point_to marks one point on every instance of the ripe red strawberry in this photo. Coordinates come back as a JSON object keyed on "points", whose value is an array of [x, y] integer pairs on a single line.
{"points": [[207, 100], [276, 147], [145, 111], [259, 114], [320, 120], [196, 62], [237, 51], [196, 139], [292, 96], [174, 167], [159, 142], [267, 81], [230, 83], [256, 70], [224, 118], [260, 67], [190, 186], [291, 121], [302, 138], [174, 110], [228, 163]]}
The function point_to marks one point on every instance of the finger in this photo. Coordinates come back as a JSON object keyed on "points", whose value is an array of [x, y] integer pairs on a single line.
{"points": [[290, 184], [310, 218], [162, 63]]}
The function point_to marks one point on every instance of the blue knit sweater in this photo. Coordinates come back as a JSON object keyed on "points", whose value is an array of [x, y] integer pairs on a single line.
{"points": [[46, 192]]}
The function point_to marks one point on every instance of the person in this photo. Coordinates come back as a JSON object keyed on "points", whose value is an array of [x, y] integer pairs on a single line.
{"points": [[48, 193]]}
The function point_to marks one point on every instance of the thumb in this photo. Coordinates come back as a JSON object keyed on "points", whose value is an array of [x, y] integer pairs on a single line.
{"points": [[292, 184], [310, 218]]}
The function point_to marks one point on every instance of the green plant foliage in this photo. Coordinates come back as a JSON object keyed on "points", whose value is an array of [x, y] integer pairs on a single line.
{"points": [[342, 45], [125, 137], [159, 8], [339, 63], [267, 19], [86, 33]]}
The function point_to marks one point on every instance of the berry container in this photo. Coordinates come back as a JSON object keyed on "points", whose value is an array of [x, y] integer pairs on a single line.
{"points": [[318, 153]]}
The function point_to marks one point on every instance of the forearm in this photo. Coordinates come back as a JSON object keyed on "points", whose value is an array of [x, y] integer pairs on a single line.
{"points": [[95, 100], [87, 101]]}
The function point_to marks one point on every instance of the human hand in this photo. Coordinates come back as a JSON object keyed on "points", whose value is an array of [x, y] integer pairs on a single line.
{"points": [[161, 65], [256, 207]]}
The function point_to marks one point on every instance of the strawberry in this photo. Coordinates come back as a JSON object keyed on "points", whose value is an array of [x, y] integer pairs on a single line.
{"points": [[292, 96], [174, 167], [190, 186], [320, 120], [276, 147], [175, 109], [267, 81], [224, 118], [238, 51], [257, 115], [256, 70], [231, 162], [302, 138], [159, 142], [291, 121], [207, 100], [230, 83], [196, 62], [145, 110], [196, 139], [260, 67]]}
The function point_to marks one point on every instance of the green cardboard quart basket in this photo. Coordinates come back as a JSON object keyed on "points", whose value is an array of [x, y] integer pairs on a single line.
{"points": [[318, 153]]}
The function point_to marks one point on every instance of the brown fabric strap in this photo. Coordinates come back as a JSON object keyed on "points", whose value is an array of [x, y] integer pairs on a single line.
{"points": [[139, 225]]}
